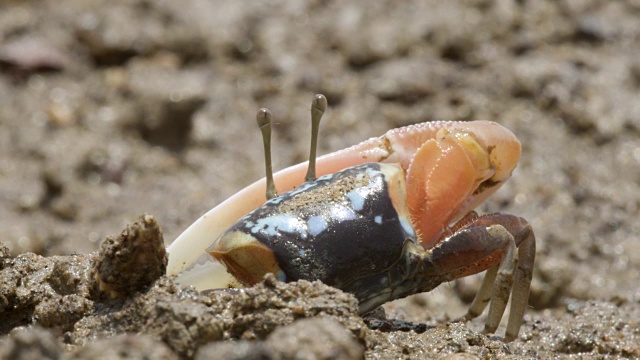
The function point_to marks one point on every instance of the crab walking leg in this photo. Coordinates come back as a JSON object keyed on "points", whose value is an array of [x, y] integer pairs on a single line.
{"points": [[526, 243], [501, 287], [469, 251], [524, 273], [495, 286], [483, 296]]}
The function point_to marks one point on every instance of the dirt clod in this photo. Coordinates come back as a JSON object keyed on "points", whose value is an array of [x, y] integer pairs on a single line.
{"points": [[130, 262], [316, 338], [30, 343], [124, 346]]}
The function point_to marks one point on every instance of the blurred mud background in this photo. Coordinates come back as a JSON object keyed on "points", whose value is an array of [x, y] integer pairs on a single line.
{"points": [[113, 109]]}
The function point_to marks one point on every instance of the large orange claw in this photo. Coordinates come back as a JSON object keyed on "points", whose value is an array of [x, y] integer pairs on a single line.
{"points": [[444, 172]]}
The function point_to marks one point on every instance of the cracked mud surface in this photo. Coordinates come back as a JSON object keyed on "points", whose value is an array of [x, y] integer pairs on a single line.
{"points": [[111, 110]]}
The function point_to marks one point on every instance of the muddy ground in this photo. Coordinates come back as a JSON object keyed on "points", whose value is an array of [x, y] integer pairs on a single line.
{"points": [[114, 109]]}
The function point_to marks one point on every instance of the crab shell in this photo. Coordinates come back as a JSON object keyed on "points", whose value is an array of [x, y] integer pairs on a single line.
{"points": [[450, 168]]}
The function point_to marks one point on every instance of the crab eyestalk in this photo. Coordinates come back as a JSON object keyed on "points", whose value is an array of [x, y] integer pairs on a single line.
{"points": [[318, 107], [264, 122]]}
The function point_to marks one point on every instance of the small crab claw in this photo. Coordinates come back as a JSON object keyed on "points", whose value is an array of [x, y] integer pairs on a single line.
{"points": [[490, 242]]}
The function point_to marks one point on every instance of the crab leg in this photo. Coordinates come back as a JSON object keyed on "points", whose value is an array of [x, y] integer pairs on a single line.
{"points": [[490, 242], [500, 277], [483, 296], [524, 273], [501, 287]]}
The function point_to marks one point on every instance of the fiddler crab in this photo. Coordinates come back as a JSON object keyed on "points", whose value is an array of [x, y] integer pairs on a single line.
{"points": [[387, 218]]}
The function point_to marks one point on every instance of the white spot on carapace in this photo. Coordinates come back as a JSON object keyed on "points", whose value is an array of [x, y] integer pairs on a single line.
{"points": [[358, 196], [306, 186], [341, 213], [272, 225], [378, 219], [357, 199], [276, 200], [325, 177], [281, 276], [317, 224], [373, 172]]}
